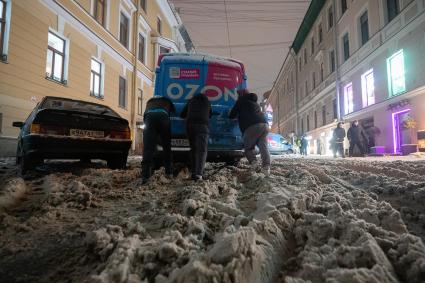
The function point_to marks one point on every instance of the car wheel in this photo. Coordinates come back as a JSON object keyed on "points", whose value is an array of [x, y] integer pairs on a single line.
{"points": [[24, 162], [289, 151], [118, 162]]}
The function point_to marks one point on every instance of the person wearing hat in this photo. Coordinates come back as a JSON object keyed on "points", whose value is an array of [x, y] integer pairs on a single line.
{"points": [[157, 127], [197, 113], [254, 128]]}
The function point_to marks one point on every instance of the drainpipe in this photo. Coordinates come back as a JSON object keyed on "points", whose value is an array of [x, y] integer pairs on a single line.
{"points": [[337, 79], [291, 51], [134, 90]]}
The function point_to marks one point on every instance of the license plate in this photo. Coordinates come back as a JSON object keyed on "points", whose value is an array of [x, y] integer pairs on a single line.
{"points": [[179, 142], [86, 133]]}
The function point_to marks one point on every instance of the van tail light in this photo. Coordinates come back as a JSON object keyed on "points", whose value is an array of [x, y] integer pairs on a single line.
{"points": [[124, 135], [35, 128]]}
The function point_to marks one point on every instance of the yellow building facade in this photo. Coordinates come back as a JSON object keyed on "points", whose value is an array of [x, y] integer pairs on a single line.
{"points": [[102, 51]]}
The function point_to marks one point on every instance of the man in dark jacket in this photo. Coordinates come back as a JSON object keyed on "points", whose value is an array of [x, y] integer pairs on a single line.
{"points": [[197, 112], [304, 145], [157, 126], [356, 136], [254, 128], [338, 140]]}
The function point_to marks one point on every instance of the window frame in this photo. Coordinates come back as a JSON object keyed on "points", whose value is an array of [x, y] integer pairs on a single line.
{"points": [[346, 46], [124, 94], [4, 22], [123, 14], [390, 75], [331, 17], [332, 61], [143, 54], [389, 15], [348, 98], [63, 54], [143, 5], [320, 33], [363, 39], [100, 75], [159, 25], [344, 7], [365, 89], [95, 12]]}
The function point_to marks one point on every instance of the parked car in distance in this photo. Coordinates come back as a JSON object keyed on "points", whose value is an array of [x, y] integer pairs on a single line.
{"points": [[62, 128], [278, 145]]}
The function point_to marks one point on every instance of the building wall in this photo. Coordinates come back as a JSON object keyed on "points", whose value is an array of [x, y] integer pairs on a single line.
{"points": [[23, 80], [405, 31]]}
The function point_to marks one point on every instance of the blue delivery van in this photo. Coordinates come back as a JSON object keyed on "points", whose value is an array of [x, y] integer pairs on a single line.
{"points": [[180, 75]]}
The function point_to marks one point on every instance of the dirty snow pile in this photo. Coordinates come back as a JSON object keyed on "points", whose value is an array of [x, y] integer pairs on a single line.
{"points": [[309, 221]]}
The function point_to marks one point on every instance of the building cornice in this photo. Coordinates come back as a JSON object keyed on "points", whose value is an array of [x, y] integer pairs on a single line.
{"points": [[168, 12]]}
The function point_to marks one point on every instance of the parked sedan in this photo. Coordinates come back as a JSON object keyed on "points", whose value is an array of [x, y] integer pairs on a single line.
{"points": [[62, 128], [278, 145]]}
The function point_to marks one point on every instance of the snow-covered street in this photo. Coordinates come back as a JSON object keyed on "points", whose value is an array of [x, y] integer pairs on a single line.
{"points": [[312, 220]]}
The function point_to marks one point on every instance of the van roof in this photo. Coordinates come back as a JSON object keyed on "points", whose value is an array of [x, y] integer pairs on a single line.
{"points": [[197, 57]]}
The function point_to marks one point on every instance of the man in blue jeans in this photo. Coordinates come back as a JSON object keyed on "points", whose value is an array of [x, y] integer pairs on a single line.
{"points": [[157, 127], [254, 128]]}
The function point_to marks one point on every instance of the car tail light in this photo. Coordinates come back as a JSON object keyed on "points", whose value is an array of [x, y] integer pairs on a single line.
{"points": [[35, 129], [125, 135], [53, 130]]}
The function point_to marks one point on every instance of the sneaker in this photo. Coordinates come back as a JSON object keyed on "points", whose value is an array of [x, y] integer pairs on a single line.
{"points": [[266, 170]]}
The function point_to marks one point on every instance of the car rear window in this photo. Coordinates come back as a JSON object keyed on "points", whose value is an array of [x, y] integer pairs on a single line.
{"points": [[81, 106]]}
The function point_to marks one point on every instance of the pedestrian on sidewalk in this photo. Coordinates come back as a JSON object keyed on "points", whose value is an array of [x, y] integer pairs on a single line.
{"points": [[197, 112], [157, 127], [338, 140], [254, 128], [356, 137], [304, 145]]}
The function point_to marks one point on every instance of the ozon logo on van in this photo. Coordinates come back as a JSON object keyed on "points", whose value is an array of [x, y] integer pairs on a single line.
{"points": [[214, 93]]}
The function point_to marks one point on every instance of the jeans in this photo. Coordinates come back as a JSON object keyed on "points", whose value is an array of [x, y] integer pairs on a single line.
{"points": [[256, 135], [198, 140]]}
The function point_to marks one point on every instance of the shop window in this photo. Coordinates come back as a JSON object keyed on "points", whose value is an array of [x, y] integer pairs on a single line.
{"points": [[124, 30], [96, 79], [393, 9], [122, 97], [348, 99], [142, 48], [56, 52], [368, 88], [396, 74], [364, 28], [5, 7], [346, 46], [99, 11]]}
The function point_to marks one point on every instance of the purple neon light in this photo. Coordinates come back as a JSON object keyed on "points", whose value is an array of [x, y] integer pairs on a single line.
{"points": [[396, 123]]}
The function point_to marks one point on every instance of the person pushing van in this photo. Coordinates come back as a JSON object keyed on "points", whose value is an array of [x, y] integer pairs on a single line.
{"points": [[157, 126], [197, 112], [254, 128]]}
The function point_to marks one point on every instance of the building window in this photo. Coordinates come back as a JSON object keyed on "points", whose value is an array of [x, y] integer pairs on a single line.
{"points": [[300, 64], [124, 29], [142, 48], [96, 79], [314, 80], [4, 20], [302, 125], [140, 103], [306, 88], [164, 50], [143, 5], [346, 46], [312, 45], [335, 108], [305, 56], [308, 123], [320, 33], [55, 57], [158, 25], [99, 11], [343, 6], [332, 61], [122, 99], [395, 69], [323, 115], [315, 119], [321, 72], [364, 28], [330, 17], [392, 9], [368, 88], [348, 99]]}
